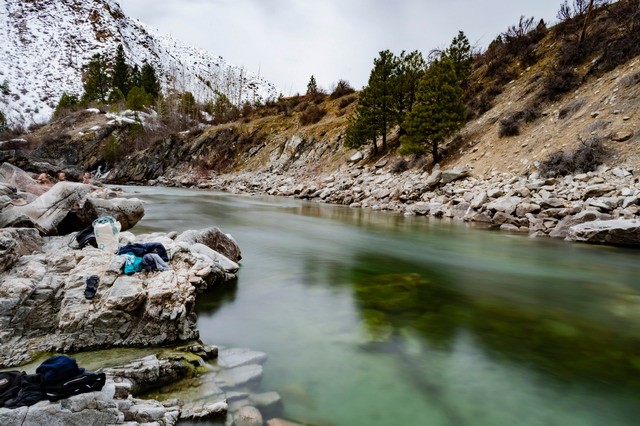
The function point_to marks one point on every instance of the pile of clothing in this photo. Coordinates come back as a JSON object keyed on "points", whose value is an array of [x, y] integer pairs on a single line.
{"points": [[56, 378], [144, 256]]}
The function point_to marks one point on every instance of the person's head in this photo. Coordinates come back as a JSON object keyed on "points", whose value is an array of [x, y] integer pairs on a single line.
{"points": [[62, 176], [43, 178]]}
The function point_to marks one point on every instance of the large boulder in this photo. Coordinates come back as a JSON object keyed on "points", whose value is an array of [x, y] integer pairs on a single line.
{"points": [[215, 239], [67, 207], [48, 211], [43, 306], [15, 243], [562, 228], [615, 232]]}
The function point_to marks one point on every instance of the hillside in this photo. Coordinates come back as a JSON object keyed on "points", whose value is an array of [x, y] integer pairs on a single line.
{"points": [[47, 43], [592, 95]]}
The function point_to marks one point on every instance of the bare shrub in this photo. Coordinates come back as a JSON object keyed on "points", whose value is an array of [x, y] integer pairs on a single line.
{"points": [[509, 126], [344, 102], [342, 88], [312, 115], [558, 82], [586, 157], [399, 166]]}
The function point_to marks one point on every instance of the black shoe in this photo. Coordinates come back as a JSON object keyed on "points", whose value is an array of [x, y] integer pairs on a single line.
{"points": [[92, 286], [31, 391]]}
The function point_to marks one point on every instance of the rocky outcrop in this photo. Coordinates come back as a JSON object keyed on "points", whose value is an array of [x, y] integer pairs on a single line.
{"points": [[16, 243], [43, 307], [63, 208], [189, 378]]}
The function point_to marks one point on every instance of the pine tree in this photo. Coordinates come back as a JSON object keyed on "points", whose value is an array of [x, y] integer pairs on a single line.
{"points": [[3, 122], [121, 78], [149, 80], [376, 112], [410, 69], [312, 86], [136, 76], [65, 103], [97, 81], [439, 110], [460, 54], [137, 99]]}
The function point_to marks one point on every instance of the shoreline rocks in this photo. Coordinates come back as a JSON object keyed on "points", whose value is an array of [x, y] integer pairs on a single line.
{"points": [[541, 207], [162, 388]]}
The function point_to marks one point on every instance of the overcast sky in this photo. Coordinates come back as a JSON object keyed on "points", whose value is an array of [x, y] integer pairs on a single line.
{"points": [[287, 41]]}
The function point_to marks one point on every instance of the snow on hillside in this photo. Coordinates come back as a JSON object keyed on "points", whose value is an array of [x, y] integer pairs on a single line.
{"points": [[46, 44]]}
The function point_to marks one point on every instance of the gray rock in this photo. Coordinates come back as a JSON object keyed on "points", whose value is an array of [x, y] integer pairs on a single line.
{"points": [[454, 174], [227, 264], [236, 357], [15, 243], [622, 135], [248, 416], [48, 210], [505, 204], [239, 376], [434, 178], [479, 200], [215, 239], [614, 232], [562, 228], [266, 400], [597, 190], [524, 208], [127, 211]]}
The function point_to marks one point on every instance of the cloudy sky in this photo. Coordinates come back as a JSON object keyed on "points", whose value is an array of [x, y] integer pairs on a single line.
{"points": [[287, 41]]}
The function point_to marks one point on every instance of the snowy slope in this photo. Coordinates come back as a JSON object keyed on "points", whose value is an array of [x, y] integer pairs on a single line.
{"points": [[44, 45]]}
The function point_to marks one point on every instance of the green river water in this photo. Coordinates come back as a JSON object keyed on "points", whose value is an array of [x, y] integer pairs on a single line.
{"points": [[373, 318]]}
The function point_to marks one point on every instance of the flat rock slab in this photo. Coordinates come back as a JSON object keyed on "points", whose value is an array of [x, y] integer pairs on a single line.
{"points": [[614, 232], [237, 357], [239, 376]]}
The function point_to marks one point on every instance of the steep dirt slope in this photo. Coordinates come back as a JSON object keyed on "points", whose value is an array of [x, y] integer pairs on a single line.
{"points": [[607, 107]]}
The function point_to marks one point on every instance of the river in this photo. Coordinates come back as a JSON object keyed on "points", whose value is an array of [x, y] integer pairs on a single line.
{"points": [[373, 318]]}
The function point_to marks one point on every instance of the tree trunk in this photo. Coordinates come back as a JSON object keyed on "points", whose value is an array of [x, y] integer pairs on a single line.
{"points": [[434, 152], [587, 19]]}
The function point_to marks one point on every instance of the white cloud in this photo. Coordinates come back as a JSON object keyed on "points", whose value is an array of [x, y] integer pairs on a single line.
{"points": [[289, 40]]}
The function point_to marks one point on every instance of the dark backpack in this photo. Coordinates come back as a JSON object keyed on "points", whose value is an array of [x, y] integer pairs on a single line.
{"points": [[86, 237], [9, 385], [85, 382]]}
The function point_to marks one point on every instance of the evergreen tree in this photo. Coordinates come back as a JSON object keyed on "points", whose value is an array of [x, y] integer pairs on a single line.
{"points": [[312, 86], [410, 69], [65, 103], [136, 77], [460, 54], [439, 110], [121, 78], [223, 110], [149, 80], [97, 81], [377, 107], [137, 99], [3, 122]]}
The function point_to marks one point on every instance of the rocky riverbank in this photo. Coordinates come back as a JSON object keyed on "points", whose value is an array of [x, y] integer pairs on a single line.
{"points": [[43, 308], [608, 198], [190, 383]]}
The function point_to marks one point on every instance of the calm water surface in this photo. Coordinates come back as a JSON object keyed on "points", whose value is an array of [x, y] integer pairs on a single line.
{"points": [[371, 318]]}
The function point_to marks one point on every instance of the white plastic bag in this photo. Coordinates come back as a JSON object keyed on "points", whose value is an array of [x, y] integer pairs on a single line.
{"points": [[106, 230]]}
